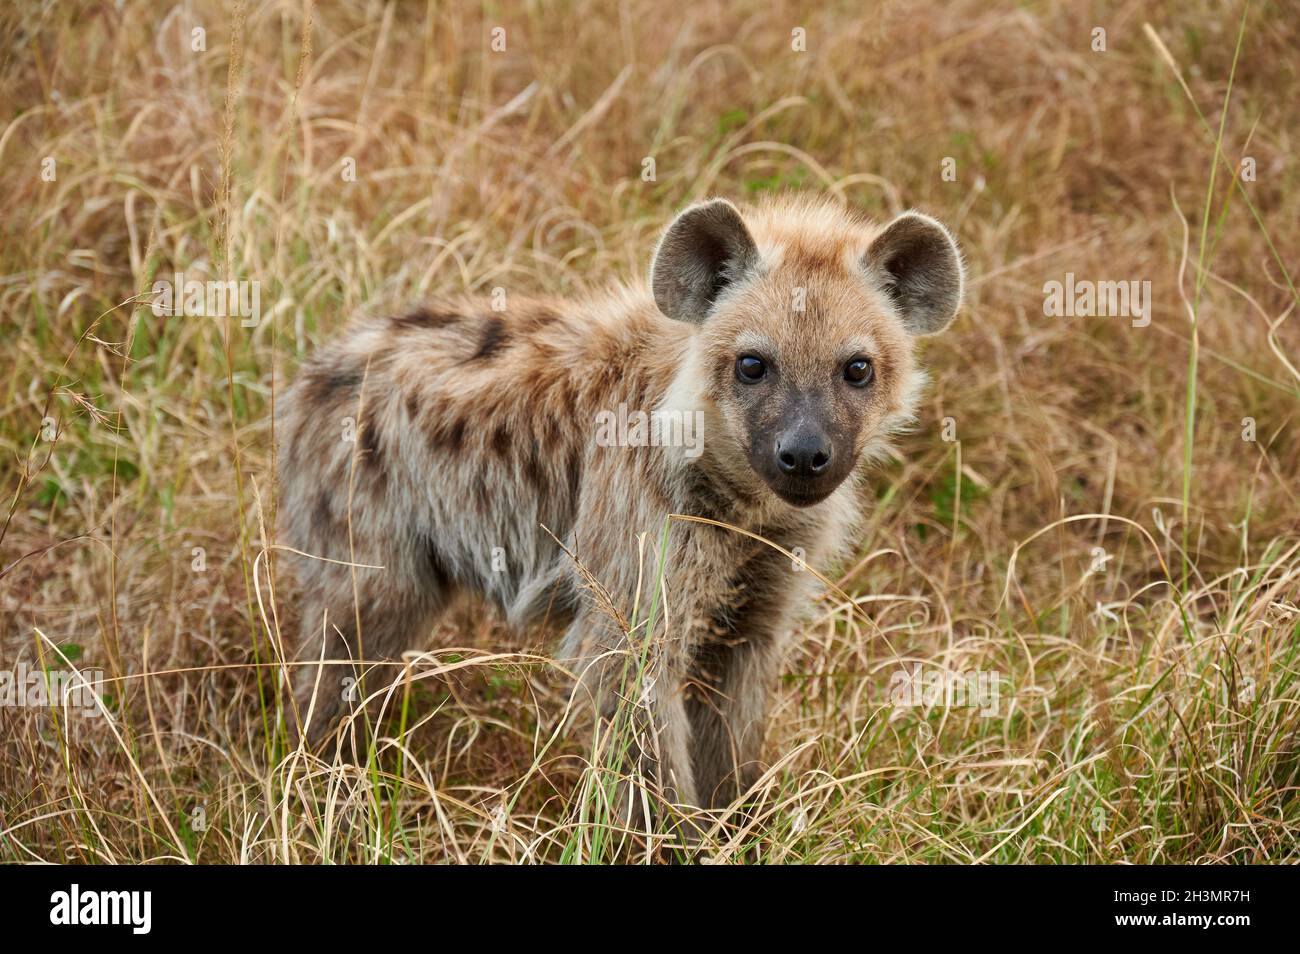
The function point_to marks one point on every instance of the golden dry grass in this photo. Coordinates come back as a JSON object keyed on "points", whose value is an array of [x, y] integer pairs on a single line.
{"points": [[1140, 613]]}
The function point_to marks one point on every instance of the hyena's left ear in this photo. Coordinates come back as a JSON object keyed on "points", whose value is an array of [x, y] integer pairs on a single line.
{"points": [[916, 262], [706, 249]]}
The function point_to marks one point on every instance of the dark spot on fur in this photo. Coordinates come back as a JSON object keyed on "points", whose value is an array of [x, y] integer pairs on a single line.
{"points": [[426, 318], [448, 435], [370, 439], [494, 338], [439, 569], [327, 383], [501, 441], [412, 405], [534, 472], [322, 517], [372, 454]]}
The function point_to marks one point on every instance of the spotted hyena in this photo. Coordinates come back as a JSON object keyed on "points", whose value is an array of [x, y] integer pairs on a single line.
{"points": [[780, 337]]}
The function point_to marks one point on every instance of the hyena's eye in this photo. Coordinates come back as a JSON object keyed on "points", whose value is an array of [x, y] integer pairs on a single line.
{"points": [[859, 372], [750, 369]]}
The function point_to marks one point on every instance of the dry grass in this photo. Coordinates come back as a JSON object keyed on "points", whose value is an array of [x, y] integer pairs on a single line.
{"points": [[1150, 702]]}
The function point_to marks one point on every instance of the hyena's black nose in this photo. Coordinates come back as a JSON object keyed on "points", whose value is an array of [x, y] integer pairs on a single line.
{"points": [[803, 454]]}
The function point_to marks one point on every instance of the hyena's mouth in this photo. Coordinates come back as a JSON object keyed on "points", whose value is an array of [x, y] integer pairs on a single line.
{"points": [[804, 496]]}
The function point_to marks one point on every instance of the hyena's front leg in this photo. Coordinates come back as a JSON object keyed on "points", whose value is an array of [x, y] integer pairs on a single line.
{"points": [[640, 707], [736, 659], [731, 683]]}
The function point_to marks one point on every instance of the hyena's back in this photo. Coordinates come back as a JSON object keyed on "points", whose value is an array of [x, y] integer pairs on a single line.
{"points": [[438, 444]]}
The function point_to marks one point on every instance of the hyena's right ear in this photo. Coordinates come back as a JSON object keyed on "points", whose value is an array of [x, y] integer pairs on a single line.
{"points": [[705, 249]]}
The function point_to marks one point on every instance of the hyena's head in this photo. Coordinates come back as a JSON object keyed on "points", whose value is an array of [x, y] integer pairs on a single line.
{"points": [[807, 318]]}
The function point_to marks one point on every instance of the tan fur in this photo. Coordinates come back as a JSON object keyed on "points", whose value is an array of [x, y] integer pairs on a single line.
{"points": [[477, 429]]}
